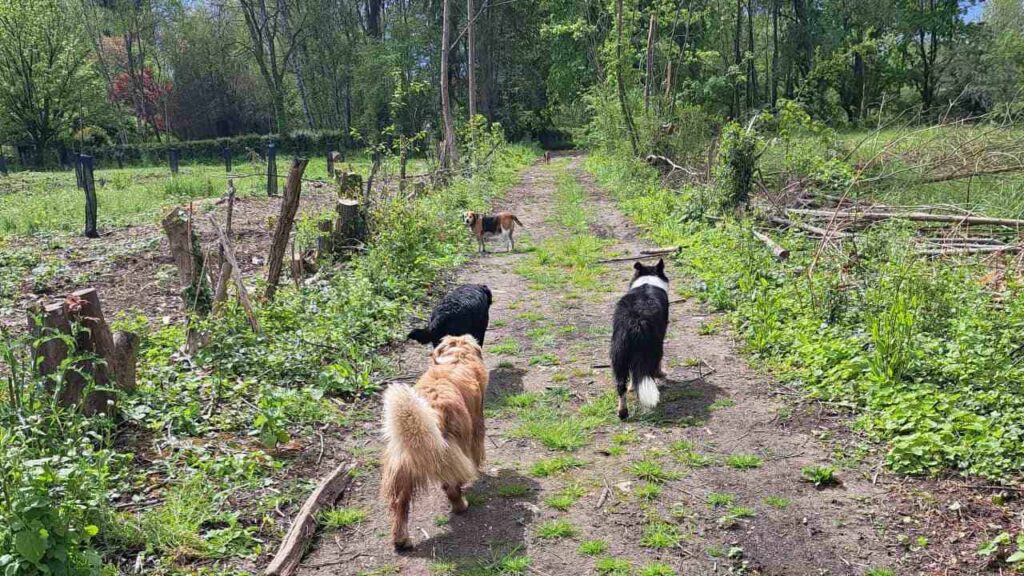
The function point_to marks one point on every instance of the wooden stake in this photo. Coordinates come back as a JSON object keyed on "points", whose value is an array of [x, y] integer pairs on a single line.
{"points": [[243, 293], [293, 547], [643, 255], [912, 216], [810, 228], [289, 207], [221, 293]]}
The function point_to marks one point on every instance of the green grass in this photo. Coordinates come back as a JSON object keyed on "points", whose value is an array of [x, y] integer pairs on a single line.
{"points": [[777, 502], [743, 461], [546, 359], [507, 347], [556, 529], [651, 471], [556, 465], [592, 547], [660, 535], [513, 490], [342, 517], [879, 572], [820, 476], [608, 566], [648, 491], [719, 499], [566, 497], [657, 569]]}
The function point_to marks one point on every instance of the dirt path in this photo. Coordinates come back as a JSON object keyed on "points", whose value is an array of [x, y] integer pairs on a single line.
{"points": [[710, 483]]}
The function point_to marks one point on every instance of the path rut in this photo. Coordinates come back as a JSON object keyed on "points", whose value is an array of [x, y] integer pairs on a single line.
{"points": [[714, 406]]}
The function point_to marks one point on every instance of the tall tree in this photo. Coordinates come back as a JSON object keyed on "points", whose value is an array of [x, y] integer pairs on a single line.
{"points": [[45, 78], [273, 38], [449, 154], [471, 56]]}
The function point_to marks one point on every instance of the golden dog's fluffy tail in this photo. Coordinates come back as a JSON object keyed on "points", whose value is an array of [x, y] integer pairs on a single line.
{"points": [[417, 452]]}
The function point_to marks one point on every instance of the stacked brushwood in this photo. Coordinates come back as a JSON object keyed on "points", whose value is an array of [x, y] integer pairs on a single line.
{"points": [[940, 230]]}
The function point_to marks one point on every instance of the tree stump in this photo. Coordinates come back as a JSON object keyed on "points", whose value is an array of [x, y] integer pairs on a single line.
{"points": [[350, 184], [103, 359], [89, 185], [196, 294], [349, 224]]}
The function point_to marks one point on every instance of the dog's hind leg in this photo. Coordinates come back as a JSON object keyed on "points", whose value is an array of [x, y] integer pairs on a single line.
{"points": [[400, 519], [454, 493]]}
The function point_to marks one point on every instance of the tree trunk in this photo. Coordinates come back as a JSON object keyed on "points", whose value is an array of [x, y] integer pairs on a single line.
{"points": [[89, 183], [471, 56], [737, 58], [289, 207], [649, 80], [621, 82], [752, 99], [188, 259], [449, 155], [775, 52]]}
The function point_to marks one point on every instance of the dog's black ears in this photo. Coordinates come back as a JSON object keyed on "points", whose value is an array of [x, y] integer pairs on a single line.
{"points": [[638, 266], [661, 264]]}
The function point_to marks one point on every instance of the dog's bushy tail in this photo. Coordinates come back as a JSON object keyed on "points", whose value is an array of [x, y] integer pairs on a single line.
{"points": [[421, 335], [647, 393], [417, 453]]}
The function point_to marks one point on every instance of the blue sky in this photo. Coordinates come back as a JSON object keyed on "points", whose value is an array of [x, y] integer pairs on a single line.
{"points": [[974, 12]]}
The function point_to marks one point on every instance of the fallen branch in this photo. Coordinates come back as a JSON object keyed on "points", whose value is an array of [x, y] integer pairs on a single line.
{"points": [[289, 555], [643, 254], [810, 228], [243, 293], [778, 251], [962, 175], [289, 207], [962, 250], [912, 216]]}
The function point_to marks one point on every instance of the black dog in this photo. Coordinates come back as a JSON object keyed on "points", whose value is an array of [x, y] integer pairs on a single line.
{"points": [[464, 310], [638, 336]]}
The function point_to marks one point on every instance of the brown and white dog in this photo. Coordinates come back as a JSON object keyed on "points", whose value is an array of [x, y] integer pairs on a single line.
{"points": [[434, 431], [486, 225]]}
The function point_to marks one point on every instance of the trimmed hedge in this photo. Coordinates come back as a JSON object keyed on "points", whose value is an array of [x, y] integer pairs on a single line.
{"points": [[298, 142]]}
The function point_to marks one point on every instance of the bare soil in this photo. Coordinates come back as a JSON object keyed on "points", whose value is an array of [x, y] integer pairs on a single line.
{"points": [[712, 398]]}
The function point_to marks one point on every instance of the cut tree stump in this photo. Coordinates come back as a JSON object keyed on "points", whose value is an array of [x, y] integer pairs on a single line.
{"points": [[224, 278], [191, 264], [289, 555], [283, 229], [92, 342], [243, 293]]}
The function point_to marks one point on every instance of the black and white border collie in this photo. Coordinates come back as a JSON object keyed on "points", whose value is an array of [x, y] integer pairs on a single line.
{"points": [[638, 336], [464, 310]]}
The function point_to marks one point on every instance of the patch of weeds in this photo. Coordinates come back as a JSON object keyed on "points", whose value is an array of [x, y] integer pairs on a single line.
{"points": [[443, 568], [513, 490], [541, 337], [657, 569], [678, 511], [556, 429], [615, 450], [879, 572], [566, 497], [743, 461], [648, 492], [545, 359], [566, 329], [512, 564], [651, 471], [602, 409], [710, 327], [777, 502], [441, 521], [474, 498], [734, 514], [498, 323], [721, 404], [660, 535], [342, 517], [820, 476], [556, 529], [609, 566], [506, 365], [684, 453], [552, 466], [627, 436], [507, 347], [592, 547], [691, 362], [531, 316], [559, 377], [523, 400], [719, 499]]}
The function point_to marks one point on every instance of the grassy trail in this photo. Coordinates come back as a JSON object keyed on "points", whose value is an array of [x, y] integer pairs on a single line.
{"points": [[710, 482]]}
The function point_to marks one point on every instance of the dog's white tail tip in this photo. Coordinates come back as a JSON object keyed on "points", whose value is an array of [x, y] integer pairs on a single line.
{"points": [[647, 393]]}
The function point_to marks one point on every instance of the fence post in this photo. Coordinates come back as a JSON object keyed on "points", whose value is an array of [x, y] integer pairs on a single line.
{"points": [[271, 169], [173, 154], [225, 153], [79, 181], [3, 165], [90, 196], [119, 156], [330, 161]]}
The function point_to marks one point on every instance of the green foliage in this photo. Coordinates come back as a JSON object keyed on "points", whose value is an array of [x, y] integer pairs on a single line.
{"points": [[593, 547], [820, 476], [743, 461], [652, 471], [342, 517], [552, 466], [556, 529], [660, 535], [609, 566], [741, 149]]}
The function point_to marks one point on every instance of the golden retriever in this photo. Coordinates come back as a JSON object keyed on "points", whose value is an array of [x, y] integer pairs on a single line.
{"points": [[434, 431]]}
